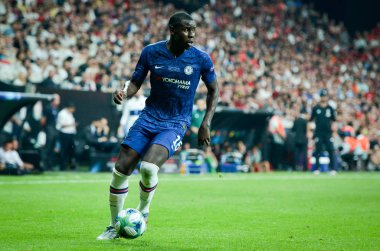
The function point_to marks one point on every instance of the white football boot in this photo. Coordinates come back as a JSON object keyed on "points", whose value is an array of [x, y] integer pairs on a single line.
{"points": [[108, 234]]}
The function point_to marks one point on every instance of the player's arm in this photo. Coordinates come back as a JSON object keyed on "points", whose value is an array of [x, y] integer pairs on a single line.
{"points": [[333, 114], [312, 117], [129, 90], [2, 161], [211, 103]]}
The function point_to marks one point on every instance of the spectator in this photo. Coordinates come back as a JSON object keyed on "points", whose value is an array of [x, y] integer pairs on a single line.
{"points": [[131, 110], [278, 136], [323, 115], [264, 146], [102, 145], [272, 64], [49, 122], [362, 151], [300, 129], [211, 160], [255, 161], [196, 120], [66, 127], [374, 161], [10, 161]]}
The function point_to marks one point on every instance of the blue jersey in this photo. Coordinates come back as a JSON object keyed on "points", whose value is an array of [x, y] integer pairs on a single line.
{"points": [[174, 80]]}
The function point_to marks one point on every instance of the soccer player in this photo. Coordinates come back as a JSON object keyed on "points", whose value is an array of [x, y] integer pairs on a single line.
{"points": [[131, 111], [323, 115], [176, 67]]}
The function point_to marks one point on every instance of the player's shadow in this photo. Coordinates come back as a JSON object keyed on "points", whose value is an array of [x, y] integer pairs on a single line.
{"points": [[140, 244]]}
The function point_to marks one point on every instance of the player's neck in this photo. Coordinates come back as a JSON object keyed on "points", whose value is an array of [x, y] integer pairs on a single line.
{"points": [[175, 50]]}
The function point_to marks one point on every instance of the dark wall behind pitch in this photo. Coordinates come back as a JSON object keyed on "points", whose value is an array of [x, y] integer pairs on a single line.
{"points": [[89, 106], [357, 15]]}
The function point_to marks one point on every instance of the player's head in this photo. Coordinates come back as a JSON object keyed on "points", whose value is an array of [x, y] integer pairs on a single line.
{"points": [[303, 113], [201, 104], [182, 29], [8, 144], [71, 107], [103, 121], [56, 101], [15, 144], [324, 96]]}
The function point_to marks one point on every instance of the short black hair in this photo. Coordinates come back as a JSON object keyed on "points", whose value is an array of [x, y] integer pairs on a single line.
{"points": [[70, 104], [7, 141], [323, 93], [177, 18]]}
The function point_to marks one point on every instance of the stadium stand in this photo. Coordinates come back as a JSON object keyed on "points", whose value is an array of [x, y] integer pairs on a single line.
{"points": [[269, 55]]}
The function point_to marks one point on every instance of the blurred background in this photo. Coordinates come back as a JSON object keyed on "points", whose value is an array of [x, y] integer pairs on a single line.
{"points": [[61, 60]]}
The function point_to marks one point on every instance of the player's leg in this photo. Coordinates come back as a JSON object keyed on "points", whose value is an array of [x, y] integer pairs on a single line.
{"points": [[132, 148], [304, 156], [64, 148], [163, 146], [48, 150], [152, 161], [330, 149], [318, 140], [125, 164]]}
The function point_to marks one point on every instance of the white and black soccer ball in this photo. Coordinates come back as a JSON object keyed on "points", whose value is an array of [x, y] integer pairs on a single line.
{"points": [[130, 223]]}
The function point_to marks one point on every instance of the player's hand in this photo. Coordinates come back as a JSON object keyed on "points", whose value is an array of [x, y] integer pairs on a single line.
{"points": [[204, 135], [118, 96]]}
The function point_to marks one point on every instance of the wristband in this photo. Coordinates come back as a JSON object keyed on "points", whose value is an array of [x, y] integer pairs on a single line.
{"points": [[126, 87]]}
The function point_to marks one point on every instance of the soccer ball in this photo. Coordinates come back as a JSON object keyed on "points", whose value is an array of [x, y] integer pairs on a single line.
{"points": [[130, 223]]}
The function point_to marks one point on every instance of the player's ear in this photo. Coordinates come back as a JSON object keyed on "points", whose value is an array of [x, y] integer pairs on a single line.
{"points": [[171, 29]]}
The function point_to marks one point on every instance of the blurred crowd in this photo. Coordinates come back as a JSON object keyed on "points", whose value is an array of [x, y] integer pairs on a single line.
{"points": [[270, 55], [10, 160]]}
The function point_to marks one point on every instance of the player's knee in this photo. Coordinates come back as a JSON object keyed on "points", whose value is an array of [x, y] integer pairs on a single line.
{"points": [[148, 170], [124, 166], [120, 168]]}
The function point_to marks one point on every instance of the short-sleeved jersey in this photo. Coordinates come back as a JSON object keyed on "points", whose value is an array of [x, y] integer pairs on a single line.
{"points": [[174, 80], [323, 117]]}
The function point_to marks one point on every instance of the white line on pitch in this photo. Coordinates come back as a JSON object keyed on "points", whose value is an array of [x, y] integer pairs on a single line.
{"points": [[191, 178]]}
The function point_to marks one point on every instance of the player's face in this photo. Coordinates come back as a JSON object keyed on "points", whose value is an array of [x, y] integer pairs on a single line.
{"points": [[8, 146], [324, 99], [184, 34]]}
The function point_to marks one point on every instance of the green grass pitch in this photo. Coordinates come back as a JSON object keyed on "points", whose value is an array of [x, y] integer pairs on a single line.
{"points": [[276, 211]]}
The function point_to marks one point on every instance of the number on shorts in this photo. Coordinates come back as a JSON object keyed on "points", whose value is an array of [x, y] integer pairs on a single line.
{"points": [[177, 143]]}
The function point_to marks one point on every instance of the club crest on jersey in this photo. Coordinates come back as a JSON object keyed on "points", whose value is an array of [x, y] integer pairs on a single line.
{"points": [[328, 113], [188, 70]]}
